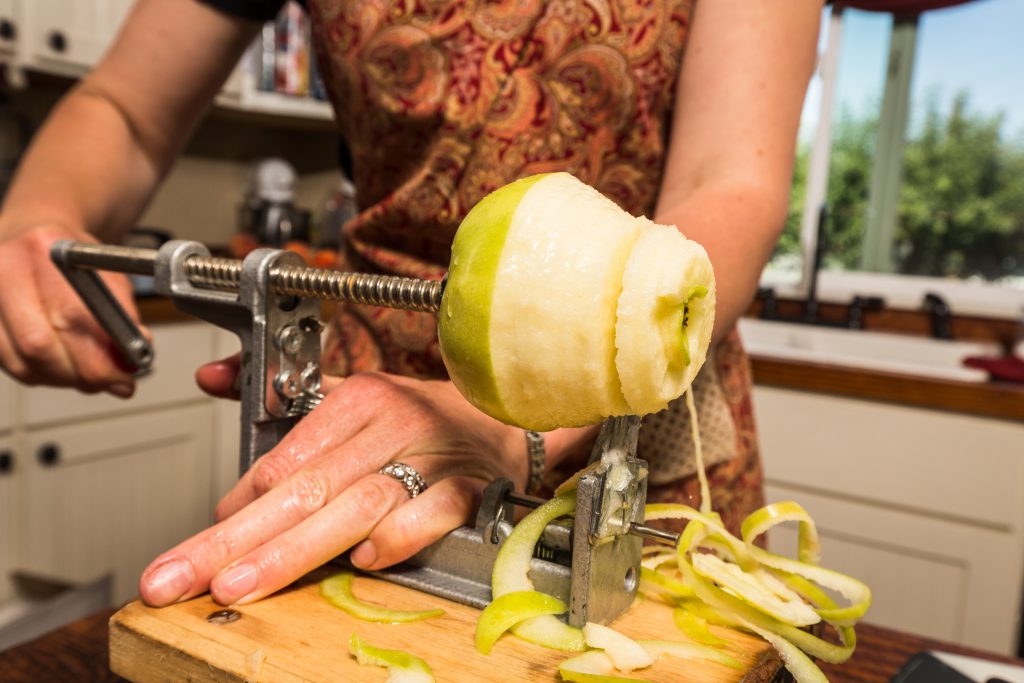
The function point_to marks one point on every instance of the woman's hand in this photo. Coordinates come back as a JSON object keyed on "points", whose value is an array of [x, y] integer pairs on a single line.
{"points": [[318, 493], [47, 336]]}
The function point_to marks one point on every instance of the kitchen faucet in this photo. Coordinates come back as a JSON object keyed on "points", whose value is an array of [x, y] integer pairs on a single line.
{"points": [[941, 315], [811, 316]]}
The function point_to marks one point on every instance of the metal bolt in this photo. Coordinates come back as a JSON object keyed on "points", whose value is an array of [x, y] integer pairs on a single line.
{"points": [[290, 339], [286, 384], [223, 616], [310, 378]]}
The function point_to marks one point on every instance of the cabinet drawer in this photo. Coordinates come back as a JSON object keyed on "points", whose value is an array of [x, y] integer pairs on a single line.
{"points": [[74, 34], [949, 465], [180, 349], [107, 496]]}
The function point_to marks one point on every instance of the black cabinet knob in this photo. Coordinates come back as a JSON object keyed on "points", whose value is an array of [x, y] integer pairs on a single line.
{"points": [[6, 462], [8, 31], [57, 41], [48, 455]]}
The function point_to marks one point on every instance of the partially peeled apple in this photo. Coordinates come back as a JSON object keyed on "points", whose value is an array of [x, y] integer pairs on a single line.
{"points": [[561, 309]]}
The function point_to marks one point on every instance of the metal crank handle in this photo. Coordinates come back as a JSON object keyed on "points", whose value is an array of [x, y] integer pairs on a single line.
{"points": [[135, 349]]}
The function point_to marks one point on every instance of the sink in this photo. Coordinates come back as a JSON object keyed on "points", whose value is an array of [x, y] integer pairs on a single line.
{"points": [[908, 355]]}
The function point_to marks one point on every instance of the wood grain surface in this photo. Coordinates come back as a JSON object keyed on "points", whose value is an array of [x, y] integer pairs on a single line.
{"points": [[296, 635], [78, 652], [990, 399]]}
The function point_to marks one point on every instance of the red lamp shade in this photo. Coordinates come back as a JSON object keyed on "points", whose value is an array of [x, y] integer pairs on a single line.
{"points": [[900, 6]]}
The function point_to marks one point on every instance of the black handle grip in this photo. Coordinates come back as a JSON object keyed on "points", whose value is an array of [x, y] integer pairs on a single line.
{"points": [[57, 41], [8, 30], [6, 462], [48, 455]]}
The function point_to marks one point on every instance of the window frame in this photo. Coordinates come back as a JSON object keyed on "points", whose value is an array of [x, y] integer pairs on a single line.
{"points": [[899, 290]]}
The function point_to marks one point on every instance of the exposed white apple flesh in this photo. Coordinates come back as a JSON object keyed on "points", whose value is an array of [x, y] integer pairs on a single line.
{"points": [[561, 309], [553, 312], [664, 318], [624, 652]]}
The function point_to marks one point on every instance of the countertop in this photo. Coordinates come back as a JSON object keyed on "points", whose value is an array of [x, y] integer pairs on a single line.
{"points": [[78, 652], [990, 399]]}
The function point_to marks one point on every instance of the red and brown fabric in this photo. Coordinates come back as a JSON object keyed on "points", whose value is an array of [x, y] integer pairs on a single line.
{"points": [[443, 101]]}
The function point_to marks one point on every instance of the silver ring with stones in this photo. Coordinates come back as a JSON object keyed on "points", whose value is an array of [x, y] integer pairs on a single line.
{"points": [[412, 481]]}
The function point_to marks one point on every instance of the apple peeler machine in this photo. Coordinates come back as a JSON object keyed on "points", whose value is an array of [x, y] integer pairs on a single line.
{"points": [[270, 300]]}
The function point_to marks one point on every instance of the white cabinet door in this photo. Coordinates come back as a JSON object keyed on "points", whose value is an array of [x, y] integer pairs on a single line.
{"points": [[937, 463], [180, 349], [926, 507], [8, 465], [938, 578], [107, 496], [73, 33], [11, 26]]}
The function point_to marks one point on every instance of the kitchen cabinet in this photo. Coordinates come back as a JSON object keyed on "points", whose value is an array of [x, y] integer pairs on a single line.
{"points": [[7, 503], [179, 350], [102, 485], [70, 37], [107, 496], [11, 26], [927, 507]]}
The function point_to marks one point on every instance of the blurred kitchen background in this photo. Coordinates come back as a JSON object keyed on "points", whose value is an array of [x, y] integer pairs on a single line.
{"points": [[885, 342]]}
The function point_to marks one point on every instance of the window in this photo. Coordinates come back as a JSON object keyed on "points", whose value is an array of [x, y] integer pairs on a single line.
{"points": [[913, 137]]}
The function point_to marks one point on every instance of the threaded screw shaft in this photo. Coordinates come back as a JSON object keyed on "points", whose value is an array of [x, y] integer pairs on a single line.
{"points": [[409, 294]]}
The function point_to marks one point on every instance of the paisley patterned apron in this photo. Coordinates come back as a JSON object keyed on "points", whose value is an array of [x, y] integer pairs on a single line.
{"points": [[443, 101]]}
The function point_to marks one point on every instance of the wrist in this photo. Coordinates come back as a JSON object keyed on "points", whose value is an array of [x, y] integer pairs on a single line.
{"points": [[555, 450], [570, 444]]}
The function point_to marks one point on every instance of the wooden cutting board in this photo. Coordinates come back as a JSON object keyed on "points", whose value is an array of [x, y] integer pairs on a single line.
{"points": [[296, 635]]}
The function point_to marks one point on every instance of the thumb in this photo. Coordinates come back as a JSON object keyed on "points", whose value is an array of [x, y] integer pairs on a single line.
{"points": [[220, 378]]}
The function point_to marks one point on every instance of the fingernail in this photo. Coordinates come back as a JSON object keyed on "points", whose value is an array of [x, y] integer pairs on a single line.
{"points": [[233, 584], [167, 583], [122, 389], [364, 555]]}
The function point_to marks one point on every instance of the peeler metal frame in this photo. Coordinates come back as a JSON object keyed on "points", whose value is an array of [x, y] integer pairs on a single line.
{"points": [[270, 300]]}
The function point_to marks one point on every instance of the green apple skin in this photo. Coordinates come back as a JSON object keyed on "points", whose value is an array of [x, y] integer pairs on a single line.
{"points": [[464, 321], [509, 609]]}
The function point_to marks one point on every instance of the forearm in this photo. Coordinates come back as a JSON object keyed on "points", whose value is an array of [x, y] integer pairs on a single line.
{"points": [[84, 170], [738, 225], [737, 110]]}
